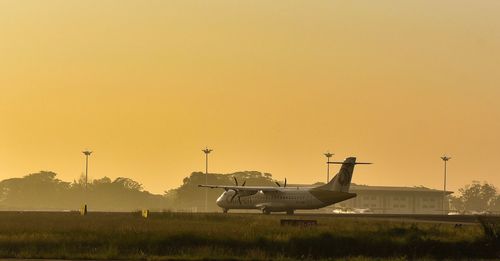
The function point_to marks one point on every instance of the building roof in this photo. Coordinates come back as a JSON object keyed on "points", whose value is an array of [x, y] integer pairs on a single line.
{"points": [[358, 188], [355, 187]]}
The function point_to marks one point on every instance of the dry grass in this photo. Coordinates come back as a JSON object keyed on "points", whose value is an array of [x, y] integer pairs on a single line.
{"points": [[234, 236]]}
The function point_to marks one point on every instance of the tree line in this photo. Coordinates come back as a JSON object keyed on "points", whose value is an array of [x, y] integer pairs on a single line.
{"points": [[44, 191]]}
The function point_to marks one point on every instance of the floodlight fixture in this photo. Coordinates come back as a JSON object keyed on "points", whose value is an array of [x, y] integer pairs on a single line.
{"points": [[328, 156], [87, 154]]}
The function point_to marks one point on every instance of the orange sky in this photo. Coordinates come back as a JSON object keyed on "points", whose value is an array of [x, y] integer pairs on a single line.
{"points": [[270, 85]]}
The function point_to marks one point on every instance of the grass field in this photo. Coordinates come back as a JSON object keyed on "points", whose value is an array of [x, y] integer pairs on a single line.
{"points": [[234, 236]]}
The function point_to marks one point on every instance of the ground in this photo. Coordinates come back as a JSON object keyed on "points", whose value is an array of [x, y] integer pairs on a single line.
{"points": [[215, 236]]}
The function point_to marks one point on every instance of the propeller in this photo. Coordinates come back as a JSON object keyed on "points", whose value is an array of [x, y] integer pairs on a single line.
{"points": [[279, 185], [236, 192], [236, 182]]}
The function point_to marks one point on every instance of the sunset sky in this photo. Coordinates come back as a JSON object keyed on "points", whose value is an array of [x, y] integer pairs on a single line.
{"points": [[269, 85]]}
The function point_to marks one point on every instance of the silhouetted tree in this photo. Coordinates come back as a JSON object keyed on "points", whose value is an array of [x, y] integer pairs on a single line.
{"points": [[128, 184], [43, 191], [496, 204], [476, 197], [38, 190]]}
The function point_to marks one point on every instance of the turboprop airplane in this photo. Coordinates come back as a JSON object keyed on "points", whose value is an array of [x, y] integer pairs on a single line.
{"points": [[288, 199]]}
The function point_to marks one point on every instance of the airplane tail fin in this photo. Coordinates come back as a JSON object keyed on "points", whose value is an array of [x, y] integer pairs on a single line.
{"points": [[342, 181]]}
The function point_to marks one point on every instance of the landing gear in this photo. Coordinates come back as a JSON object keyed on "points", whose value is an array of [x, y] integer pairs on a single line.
{"points": [[266, 212], [289, 212], [224, 210]]}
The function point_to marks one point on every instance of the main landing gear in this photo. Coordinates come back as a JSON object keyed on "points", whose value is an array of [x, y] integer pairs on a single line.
{"points": [[267, 212], [224, 210]]}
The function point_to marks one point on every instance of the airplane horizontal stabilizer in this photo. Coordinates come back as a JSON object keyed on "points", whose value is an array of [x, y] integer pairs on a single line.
{"points": [[351, 163]]}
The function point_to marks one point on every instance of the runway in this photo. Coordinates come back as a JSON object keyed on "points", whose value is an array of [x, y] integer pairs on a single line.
{"points": [[455, 219], [458, 219]]}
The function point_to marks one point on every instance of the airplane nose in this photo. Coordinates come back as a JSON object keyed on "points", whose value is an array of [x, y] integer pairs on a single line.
{"points": [[219, 200]]}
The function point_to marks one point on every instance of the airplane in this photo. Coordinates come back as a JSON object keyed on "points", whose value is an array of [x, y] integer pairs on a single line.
{"points": [[288, 199]]}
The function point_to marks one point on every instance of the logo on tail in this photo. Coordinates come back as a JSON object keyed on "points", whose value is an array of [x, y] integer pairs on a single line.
{"points": [[344, 178], [342, 181]]}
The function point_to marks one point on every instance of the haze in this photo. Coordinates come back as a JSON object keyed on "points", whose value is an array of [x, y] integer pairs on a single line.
{"points": [[269, 85]]}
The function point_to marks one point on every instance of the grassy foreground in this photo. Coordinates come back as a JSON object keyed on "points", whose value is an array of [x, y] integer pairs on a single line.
{"points": [[233, 236]]}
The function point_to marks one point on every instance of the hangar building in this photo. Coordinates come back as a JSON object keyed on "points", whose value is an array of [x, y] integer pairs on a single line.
{"points": [[396, 200]]}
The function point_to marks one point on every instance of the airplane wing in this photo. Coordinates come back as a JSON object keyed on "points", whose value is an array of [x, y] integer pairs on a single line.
{"points": [[243, 188]]}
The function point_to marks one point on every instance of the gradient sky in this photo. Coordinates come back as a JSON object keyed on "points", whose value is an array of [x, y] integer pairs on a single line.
{"points": [[270, 85]]}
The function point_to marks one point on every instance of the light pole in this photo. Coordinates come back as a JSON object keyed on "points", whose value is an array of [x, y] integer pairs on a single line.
{"points": [[328, 156], [87, 154], [206, 151], [445, 159]]}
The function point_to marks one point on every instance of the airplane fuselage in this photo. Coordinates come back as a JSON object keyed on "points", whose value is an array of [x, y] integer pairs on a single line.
{"points": [[285, 199]]}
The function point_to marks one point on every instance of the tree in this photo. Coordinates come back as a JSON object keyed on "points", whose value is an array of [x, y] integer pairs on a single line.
{"points": [[128, 184], [496, 204], [41, 190], [476, 197]]}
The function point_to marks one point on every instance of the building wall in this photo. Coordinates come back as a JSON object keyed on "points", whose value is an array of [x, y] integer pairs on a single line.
{"points": [[397, 202]]}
